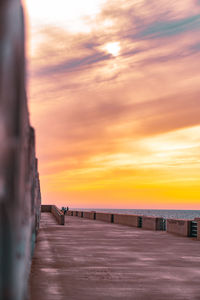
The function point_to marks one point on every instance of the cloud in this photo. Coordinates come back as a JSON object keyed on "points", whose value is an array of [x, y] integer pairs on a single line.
{"points": [[94, 111], [140, 34], [195, 48], [161, 29], [93, 123], [74, 64]]}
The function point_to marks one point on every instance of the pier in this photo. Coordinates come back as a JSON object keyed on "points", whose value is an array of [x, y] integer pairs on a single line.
{"points": [[45, 255], [91, 259]]}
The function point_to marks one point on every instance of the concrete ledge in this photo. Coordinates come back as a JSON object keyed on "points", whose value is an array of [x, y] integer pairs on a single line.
{"points": [[87, 214], [105, 217], [179, 227], [80, 214], [152, 223], [69, 213], [93, 215], [56, 212], [46, 208], [128, 220]]}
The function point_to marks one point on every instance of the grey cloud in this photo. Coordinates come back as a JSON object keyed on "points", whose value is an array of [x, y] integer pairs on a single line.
{"points": [[158, 21], [90, 45], [74, 64], [195, 47], [160, 29]]}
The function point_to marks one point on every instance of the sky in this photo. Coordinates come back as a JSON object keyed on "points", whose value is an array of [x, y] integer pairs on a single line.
{"points": [[113, 90]]}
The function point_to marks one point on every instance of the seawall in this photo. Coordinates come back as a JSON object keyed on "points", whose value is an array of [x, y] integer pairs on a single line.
{"points": [[186, 228], [20, 196]]}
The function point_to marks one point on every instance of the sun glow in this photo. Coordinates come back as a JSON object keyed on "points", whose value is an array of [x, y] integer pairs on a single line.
{"points": [[113, 48]]}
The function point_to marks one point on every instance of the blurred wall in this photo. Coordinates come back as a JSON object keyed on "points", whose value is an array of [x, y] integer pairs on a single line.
{"points": [[19, 180]]}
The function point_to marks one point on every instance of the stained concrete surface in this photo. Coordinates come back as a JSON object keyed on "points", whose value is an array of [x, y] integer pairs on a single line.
{"points": [[87, 259]]}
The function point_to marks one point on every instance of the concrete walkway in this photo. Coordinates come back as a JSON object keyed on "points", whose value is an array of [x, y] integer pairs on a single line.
{"points": [[93, 260]]}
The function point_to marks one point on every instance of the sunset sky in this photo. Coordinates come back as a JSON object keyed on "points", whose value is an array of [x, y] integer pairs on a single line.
{"points": [[114, 95]]}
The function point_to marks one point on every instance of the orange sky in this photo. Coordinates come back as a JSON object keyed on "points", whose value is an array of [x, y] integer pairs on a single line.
{"points": [[114, 96]]}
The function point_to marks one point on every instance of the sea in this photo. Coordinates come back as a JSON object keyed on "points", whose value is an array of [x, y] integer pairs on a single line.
{"points": [[164, 213]]}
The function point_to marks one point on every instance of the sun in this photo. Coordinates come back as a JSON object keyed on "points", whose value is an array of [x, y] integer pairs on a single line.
{"points": [[113, 48]]}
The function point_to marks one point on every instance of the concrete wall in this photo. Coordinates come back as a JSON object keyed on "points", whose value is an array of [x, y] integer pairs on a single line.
{"points": [[74, 213], [105, 217], [151, 223], [69, 213], [179, 227], [87, 215], [46, 208], [83, 214], [58, 214], [129, 220], [20, 196], [198, 228], [93, 215]]}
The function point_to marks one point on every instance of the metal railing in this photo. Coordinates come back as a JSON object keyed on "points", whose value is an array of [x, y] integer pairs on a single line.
{"points": [[163, 225], [140, 222], [193, 229]]}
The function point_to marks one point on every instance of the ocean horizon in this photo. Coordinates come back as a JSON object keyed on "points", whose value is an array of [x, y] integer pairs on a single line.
{"points": [[164, 213]]}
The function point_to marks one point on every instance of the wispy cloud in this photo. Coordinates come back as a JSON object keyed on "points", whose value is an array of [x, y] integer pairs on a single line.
{"points": [[103, 116], [160, 29], [74, 64]]}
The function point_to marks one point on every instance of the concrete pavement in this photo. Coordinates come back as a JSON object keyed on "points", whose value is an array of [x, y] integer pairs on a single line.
{"points": [[87, 259]]}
